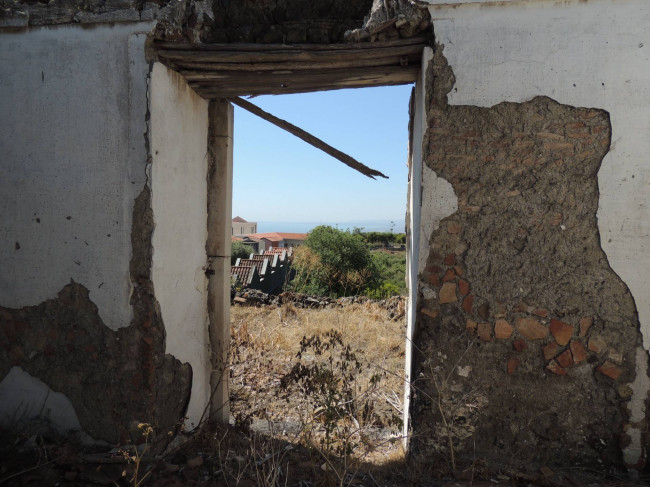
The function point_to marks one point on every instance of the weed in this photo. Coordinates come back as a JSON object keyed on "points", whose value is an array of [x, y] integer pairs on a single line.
{"points": [[136, 457]]}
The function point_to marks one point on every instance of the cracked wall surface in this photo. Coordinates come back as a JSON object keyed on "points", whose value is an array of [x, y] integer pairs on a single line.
{"points": [[112, 378], [77, 304], [526, 338]]}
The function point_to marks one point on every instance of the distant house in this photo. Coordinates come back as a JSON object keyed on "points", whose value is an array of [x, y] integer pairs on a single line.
{"points": [[242, 227], [256, 244], [279, 239]]}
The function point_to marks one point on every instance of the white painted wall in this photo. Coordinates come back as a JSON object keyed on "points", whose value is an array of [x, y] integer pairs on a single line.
{"points": [[590, 54], [72, 123], [179, 146]]}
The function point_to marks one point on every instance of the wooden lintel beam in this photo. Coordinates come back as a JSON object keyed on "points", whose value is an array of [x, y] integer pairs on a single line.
{"points": [[230, 84], [243, 47], [290, 77], [210, 93], [210, 67], [286, 55], [309, 138]]}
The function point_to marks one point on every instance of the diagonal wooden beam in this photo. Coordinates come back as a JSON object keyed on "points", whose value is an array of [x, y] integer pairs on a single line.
{"points": [[309, 138]]}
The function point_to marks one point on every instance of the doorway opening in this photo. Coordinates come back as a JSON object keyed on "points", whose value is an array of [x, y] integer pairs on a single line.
{"points": [[300, 69], [342, 309]]}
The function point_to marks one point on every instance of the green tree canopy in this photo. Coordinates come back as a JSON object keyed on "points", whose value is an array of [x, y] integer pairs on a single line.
{"points": [[333, 261], [239, 250]]}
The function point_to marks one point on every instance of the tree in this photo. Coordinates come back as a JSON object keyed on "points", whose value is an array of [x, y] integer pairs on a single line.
{"points": [[239, 250], [337, 262]]}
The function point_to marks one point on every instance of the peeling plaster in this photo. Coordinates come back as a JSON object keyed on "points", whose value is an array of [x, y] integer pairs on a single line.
{"points": [[513, 54], [438, 202]]}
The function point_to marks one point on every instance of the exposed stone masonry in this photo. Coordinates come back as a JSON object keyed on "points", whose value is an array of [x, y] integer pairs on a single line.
{"points": [[526, 337]]}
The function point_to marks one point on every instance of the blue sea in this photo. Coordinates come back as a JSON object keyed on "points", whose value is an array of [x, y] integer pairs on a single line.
{"points": [[397, 226]]}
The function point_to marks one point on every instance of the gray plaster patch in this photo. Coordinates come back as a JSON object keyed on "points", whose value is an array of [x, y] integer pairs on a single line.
{"points": [[438, 202], [24, 398]]}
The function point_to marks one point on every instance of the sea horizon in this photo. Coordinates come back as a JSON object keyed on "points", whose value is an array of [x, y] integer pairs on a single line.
{"points": [[397, 226]]}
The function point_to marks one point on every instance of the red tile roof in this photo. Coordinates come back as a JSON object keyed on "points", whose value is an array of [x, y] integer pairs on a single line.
{"points": [[239, 219], [243, 272], [279, 236], [259, 257], [253, 262]]}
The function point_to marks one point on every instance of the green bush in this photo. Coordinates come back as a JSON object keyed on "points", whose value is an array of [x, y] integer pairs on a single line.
{"points": [[385, 290], [334, 262], [391, 269], [239, 250]]}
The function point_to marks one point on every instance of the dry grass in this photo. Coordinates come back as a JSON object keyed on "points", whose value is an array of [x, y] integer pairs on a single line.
{"points": [[265, 345]]}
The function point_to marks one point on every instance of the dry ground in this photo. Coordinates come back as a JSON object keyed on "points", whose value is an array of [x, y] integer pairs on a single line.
{"points": [[296, 424], [367, 357]]}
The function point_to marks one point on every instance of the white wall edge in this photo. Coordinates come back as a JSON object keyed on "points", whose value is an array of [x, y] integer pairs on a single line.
{"points": [[414, 205]]}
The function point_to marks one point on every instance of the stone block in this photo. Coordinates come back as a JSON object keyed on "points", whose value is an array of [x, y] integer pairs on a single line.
{"points": [[485, 332], [565, 359], [468, 303], [554, 367], [610, 370], [597, 344], [502, 329], [463, 287], [448, 293], [550, 350], [519, 344], [561, 331], [431, 313], [513, 363], [578, 351], [585, 324], [471, 327], [541, 312], [450, 259], [531, 329], [449, 276], [453, 227]]}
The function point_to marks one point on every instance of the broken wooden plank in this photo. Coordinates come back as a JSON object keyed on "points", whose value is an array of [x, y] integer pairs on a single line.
{"points": [[309, 138], [286, 55]]}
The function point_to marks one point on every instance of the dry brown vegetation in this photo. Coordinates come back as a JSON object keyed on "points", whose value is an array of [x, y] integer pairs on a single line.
{"points": [[360, 344]]}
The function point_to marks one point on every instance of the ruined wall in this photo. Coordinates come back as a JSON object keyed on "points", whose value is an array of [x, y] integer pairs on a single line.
{"points": [[179, 139], [77, 309], [269, 21], [528, 342]]}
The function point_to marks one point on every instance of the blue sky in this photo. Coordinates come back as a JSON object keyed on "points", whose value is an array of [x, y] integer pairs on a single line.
{"points": [[278, 177]]}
